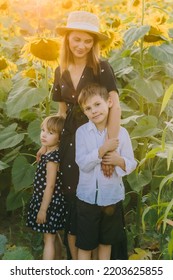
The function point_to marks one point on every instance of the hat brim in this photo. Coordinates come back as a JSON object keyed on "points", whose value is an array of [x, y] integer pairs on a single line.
{"points": [[63, 30]]}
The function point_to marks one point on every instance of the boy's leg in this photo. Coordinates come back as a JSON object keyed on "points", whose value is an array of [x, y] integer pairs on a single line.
{"points": [[49, 246], [104, 252], [84, 254]]}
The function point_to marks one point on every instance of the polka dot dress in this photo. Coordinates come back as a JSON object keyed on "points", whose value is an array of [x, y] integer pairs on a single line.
{"points": [[56, 211]]}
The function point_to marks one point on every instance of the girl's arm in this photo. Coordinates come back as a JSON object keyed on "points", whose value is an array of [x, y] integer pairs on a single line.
{"points": [[51, 175]]}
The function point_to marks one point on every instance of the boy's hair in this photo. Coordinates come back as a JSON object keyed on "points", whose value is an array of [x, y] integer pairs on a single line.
{"points": [[54, 123], [91, 90]]}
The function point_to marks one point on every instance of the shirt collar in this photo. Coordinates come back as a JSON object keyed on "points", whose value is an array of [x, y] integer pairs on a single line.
{"points": [[91, 126]]}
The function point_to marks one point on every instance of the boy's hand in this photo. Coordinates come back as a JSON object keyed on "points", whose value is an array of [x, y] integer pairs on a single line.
{"points": [[41, 217], [107, 169], [111, 158], [40, 152]]}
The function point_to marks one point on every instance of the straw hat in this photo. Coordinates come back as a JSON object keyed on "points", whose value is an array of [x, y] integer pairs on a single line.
{"points": [[82, 21]]}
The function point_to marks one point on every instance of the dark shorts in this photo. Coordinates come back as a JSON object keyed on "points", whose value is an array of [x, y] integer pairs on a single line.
{"points": [[98, 224]]}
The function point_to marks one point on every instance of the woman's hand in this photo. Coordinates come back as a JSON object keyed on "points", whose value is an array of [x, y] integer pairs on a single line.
{"points": [[40, 152]]}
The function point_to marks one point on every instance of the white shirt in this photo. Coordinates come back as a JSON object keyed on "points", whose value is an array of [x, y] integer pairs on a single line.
{"points": [[93, 187]]}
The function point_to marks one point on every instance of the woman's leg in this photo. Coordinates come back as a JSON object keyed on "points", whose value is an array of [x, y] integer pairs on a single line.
{"points": [[104, 252], [58, 247], [84, 254], [73, 249], [49, 246]]}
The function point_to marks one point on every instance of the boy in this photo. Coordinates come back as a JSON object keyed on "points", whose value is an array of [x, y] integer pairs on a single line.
{"points": [[99, 198]]}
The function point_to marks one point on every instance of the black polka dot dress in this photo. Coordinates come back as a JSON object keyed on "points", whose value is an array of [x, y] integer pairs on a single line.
{"points": [[56, 212]]}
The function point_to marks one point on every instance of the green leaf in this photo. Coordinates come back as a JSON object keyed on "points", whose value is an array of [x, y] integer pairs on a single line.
{"points": [[147, 126], [163, 53], [3, 165], [167, 97], [22, 173], [16, 200], [3, 241], [135, 33], [34, 131], [168, 210], [139, 180], [18, 253], [151, 90], [9, 137], [24, 97], [5, 87]]}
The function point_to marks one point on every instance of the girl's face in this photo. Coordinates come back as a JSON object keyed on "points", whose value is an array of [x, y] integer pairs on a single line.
{"points": [[48, 138], [80, 43]]}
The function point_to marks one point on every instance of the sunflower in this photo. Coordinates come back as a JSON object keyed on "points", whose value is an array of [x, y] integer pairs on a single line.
{"points": [[115, 41], [7, 68], [44, 50], [159, 29]]}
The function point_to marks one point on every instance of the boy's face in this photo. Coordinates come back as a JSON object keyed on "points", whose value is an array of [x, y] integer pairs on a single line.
{"points": [[97, 109]]}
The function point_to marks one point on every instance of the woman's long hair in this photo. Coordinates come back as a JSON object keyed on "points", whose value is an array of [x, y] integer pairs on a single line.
{"points": [[66, 56]]}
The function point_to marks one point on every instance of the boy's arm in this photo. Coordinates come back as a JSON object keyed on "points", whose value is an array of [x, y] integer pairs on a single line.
{"points": [[85, 160], [51, 175]]}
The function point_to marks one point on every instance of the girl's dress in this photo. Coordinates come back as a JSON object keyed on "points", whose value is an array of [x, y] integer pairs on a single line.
{"points": [[55, 217]]}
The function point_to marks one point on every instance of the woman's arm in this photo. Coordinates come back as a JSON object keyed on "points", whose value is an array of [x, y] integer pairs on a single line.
{"points": [[113, 127], [62, 109], [114, 118], [51, 175]]}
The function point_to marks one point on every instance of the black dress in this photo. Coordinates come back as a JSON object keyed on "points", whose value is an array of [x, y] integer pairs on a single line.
{"points": [[63, 91], [56, 213]]}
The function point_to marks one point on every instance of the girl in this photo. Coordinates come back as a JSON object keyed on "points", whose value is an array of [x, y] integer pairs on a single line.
{"points": [[46, 212]]}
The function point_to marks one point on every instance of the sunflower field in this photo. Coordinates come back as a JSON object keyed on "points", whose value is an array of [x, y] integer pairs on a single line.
{"points": [[140, 50]]}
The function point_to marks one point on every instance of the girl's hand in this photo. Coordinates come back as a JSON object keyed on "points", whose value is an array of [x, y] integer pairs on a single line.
{"points": [[107, 169], [40, 152], [41, 217]]}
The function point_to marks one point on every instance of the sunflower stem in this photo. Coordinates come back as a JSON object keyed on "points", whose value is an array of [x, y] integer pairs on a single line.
{"points": [[47, 88]]}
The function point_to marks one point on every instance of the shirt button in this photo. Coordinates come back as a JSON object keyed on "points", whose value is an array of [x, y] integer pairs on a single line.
{"points": [[73, 96], [102, 70], [56, 89]]}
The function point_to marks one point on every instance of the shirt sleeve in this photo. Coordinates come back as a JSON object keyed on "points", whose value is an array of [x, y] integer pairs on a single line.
{"points": [[126, 152], [56, 90], [107, 77], [84, 159]]}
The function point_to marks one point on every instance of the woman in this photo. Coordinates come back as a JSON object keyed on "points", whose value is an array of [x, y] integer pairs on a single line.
{"points": [[80, 65]]}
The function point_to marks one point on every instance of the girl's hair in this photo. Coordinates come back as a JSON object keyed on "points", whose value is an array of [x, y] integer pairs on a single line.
{"points": [[91, 90], [54, 123], [66, 56]]}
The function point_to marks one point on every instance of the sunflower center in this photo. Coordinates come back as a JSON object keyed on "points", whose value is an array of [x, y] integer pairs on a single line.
{"points": [[3, 64], [45, 49]]}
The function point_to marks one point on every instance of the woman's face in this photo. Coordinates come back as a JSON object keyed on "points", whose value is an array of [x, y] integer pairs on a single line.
{"points": [[80, 43]]}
